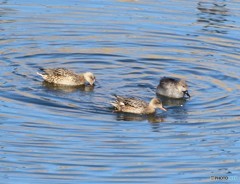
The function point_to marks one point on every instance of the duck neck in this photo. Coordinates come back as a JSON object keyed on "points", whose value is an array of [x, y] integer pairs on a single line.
{"points": [[150, 109], [84, 76]]}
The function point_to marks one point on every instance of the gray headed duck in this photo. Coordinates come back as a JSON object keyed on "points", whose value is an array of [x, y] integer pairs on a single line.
{"points": [[172, 87]]}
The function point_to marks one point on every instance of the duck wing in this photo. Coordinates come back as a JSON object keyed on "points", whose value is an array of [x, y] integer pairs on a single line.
{"points": [[58, 72], [133, 102]]}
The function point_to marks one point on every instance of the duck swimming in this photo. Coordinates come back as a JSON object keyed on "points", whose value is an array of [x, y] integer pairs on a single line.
{"points": [[172, 87], [62, 76], [137, 106]]}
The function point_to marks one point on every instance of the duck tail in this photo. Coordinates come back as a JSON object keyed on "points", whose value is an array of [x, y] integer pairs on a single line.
{"points": [[114, 104], [42, 75]]}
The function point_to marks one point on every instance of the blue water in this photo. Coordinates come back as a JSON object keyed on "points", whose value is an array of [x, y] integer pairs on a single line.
{"points": [[71, 135]]}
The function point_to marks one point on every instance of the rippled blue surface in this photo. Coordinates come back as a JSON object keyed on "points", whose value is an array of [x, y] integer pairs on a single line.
{"points": [[71, 135]]}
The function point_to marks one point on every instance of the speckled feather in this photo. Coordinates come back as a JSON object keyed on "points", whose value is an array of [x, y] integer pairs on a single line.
{"points": [[131, 101], [135, 105], [58, 72], [62, 76]]}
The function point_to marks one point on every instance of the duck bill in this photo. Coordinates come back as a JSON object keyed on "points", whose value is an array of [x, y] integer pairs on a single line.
{"points": [[163, 108], [94, 82], [186, 93], [91, 83]]}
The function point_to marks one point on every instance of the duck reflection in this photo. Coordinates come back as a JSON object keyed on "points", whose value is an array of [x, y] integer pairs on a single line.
{"points": [[152, 118], [213, 14], [67, 89], [176, 108], [171, 101], [179, 114]]}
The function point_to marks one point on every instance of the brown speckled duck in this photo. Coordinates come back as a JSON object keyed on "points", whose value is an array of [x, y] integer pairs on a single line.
{"points": [[172, 87], [136, 106], [62, 76]]}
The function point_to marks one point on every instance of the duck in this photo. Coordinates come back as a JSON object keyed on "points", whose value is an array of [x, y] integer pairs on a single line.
{"points": [[136, 106], [63, 76], [172, 87]]}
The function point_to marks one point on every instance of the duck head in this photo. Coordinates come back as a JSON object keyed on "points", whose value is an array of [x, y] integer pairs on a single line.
{"points": [[89, 77]]}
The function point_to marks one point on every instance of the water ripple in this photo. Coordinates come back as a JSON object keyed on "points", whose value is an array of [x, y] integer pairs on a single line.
{"points": [[52, 134]]}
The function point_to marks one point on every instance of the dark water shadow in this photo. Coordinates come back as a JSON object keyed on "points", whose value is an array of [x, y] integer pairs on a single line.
{"points": [[4, 2], [171, 101], [67, 89], [176, 108], [178, 114], [152, 118]]}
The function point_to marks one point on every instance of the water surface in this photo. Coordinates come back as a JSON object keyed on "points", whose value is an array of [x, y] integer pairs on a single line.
{"points": [[71, 135]]}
